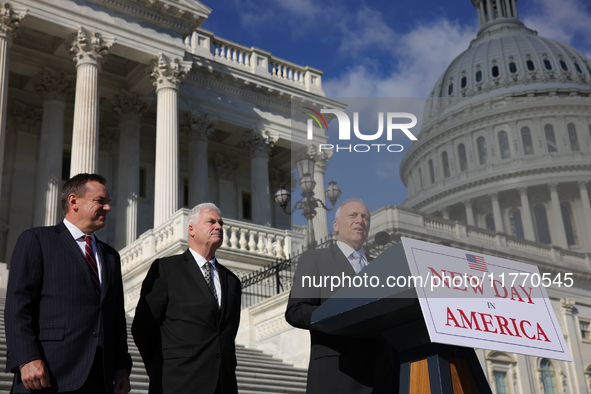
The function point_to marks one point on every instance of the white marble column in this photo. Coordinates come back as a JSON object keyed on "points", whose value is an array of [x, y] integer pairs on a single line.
{"points": [[469, 212], [54, 88], [9, 23], [167, 75], [490, 11], [27, 126], [228, 197], [89, 53], [526, 217], [571, 332], [494, 197], [558, 232], [201, 126], [131, 107], [320, 221], [586, 206], [260, 145]]}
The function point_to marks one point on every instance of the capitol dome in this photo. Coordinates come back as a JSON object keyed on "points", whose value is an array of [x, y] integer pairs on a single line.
{"points": [[505, 142]]}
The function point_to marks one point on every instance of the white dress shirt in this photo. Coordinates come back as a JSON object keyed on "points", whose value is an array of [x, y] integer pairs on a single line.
{"points": [[80, 239], [214, 273]]}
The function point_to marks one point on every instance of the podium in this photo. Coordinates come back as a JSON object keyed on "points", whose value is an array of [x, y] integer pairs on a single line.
{"points": [[394, 314]]}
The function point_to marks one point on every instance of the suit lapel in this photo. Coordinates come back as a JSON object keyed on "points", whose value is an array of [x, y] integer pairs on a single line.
{"points": [[74, 250], [106, 263], [195, 273], [343, 264]]}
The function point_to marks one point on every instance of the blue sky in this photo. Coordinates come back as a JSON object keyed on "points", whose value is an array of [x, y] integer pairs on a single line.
{"points": [[379, 48]]}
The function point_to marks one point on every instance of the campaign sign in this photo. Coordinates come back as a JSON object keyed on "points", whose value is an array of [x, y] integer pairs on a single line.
{"points": [[475, 300]]}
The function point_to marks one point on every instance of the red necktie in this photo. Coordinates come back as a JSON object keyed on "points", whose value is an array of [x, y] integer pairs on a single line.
{"points": [[92, 264]]}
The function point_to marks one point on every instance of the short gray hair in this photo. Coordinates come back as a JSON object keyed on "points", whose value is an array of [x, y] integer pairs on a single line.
{"points": [[347, 201], [196, 211]]}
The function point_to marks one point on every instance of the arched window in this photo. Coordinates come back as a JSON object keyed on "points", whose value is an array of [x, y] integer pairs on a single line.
{"points": [[445, 163], [548, 377], [478, 76], [512, 68], [516, 224], [550, 140], [450, 89], [572, 136], [563, 65], [578, 68], [431, 171], [569, 223], [528, 146], [495, 71], [542, 224], [530, 65], [504, 145], [490, 222], [464, 82], [481, 142], [547, 64], [463, 159]]}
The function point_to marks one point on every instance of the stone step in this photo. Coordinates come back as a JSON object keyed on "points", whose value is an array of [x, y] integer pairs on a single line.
{"points": [[297, 380], [273, 383], [295, 374], [256, 372], [258, 388]]}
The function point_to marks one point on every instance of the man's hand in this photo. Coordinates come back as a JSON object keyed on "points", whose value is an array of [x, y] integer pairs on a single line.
{"points": [[121, 382], [35, 375]]}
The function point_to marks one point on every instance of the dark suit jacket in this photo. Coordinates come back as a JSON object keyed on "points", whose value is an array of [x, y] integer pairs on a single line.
{"points": [[338, 364], [53, 313], [185, 342]]}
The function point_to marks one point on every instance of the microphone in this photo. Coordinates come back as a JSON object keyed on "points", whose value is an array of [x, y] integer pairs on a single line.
{"points": [[382, 238]]}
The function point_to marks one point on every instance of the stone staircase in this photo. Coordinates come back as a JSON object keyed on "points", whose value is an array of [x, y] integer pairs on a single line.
{"points": [[257, 373]]}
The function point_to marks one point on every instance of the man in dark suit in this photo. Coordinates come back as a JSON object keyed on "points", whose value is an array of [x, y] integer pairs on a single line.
{"points": [[188, 314], [338, 364], [65, 320]]}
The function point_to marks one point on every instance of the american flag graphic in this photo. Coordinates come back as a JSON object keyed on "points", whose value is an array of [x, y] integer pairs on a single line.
{"points": [[476, 262]]}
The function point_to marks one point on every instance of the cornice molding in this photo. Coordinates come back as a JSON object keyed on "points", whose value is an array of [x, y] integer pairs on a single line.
{"points": [[182, 16]]}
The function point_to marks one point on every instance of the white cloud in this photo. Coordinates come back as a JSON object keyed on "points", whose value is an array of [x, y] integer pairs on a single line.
{"points": [[566, 21], [422, 55], [364, 31]]}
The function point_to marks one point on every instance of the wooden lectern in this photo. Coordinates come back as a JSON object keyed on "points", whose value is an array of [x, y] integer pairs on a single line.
{"points": [[394, 314]]}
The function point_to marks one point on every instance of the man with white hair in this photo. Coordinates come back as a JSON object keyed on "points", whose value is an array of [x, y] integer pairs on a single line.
{"points": [[188, 314], [339, 364]]}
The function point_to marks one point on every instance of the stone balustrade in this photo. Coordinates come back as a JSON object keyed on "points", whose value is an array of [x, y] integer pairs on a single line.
{"points": [[405, 222], [256, 61], [245, 238], [226, 50], [259, 240]]}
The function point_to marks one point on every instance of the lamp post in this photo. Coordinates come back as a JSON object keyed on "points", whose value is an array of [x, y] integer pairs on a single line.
{"points": [[308, 203]]}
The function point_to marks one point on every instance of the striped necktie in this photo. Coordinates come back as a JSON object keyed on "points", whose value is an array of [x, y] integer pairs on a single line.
{"points": [[210, 283], [92, 265], [358, 263]]}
